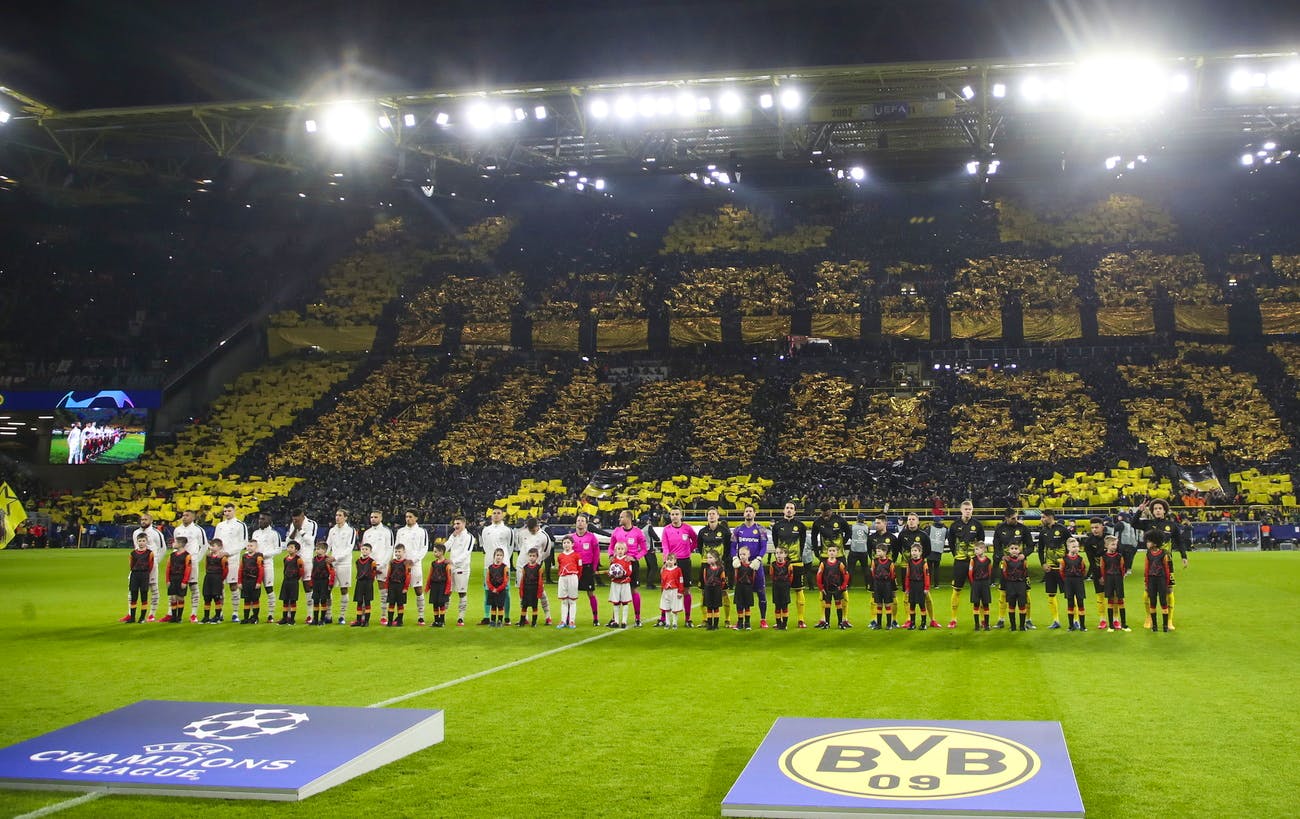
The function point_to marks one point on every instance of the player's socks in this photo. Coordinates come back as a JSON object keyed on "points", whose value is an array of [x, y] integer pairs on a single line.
{"points": [[986, 620], [392, 614], [1164, 617], [534, 620], [1101, 606], [956, 601], [1123, 617], [1082, 617], [194, 599], [1054, 608], [800, 604], [1002, 605], [401, 616], [1024, 617], [419, 604], [343, 604], [636, 603], [595, 612], [1171, 609], [977, 622]]}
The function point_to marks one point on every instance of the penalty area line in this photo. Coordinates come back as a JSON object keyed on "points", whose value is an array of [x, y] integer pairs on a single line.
{"points": [[485, 672], [64, 805]]}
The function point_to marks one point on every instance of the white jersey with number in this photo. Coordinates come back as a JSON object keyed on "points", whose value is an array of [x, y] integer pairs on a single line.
{"points": [[380, 539], [270, 545], [196, 543], [304, 534]]}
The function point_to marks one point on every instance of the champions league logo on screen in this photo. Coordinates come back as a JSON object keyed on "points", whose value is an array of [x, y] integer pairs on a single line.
{"points": [[220, 749]]}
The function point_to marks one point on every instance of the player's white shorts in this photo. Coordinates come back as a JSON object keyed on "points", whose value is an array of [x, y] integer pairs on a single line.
{"points": [[343, 573], [232, 569], [460, 579], [568, 587], [620, 592], [417, 574], [268, 575], [670, 600], [153, 575]]}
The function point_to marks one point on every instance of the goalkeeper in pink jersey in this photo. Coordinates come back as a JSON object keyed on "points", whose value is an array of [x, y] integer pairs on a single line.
{"points": [[633, 539]]}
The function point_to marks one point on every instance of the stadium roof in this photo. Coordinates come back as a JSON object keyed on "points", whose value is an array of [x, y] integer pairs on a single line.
{"points": [[909, 112]]}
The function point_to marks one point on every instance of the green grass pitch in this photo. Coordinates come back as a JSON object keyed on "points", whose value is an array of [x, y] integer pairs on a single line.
{"points": [[650, 723]]}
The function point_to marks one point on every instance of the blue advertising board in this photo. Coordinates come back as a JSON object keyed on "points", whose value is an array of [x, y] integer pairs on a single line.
{"points": [[836, 767], [224, 750]]}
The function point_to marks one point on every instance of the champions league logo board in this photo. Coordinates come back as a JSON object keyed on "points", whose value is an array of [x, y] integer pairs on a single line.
{"points": [[892, 768], [224, 750]]}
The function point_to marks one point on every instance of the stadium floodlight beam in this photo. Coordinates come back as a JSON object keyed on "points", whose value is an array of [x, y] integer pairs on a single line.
{"points": [[310, 125], [599, 109], [704, 104], [685, 105], [729, 102], [968, 92], [857, 173], [645, 106], [504, 115], [5, 116], [791, 99], [1247, 159], [765, 101], [999, 90], [347, 125], [972, 167], [479, 116], [408, 120], [442, 119], [539, 112], [624, 108], [1117, 87], [385, 124], [599, 184]]}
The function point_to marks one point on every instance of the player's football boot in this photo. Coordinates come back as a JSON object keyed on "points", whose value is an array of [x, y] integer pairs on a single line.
{"points": [[127, 619], [1001, 623], [762, 623], [1055, 625], [952, 624]]}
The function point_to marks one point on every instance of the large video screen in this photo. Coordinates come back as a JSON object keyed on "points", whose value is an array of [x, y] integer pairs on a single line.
{"points": [[98, 435]]}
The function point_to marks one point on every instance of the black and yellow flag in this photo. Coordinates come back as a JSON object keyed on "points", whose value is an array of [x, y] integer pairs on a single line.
{"points": [[12, 514]]}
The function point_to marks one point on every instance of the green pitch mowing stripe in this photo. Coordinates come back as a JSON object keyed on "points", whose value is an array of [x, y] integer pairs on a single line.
{"points": [[1194, 723]]}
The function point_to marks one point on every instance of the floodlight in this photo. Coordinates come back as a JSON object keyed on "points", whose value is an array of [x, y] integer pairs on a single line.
{"points": [[791, 99], [724, 178], [539, 112], [599, 109], [968, 92], [442, 118], [4, 116], [520, 116], [311, 126], [704, 104], [1247, 159], [645, 106], [600, 184], [685, 105], [1111, 162], [408, 120], [1178, 83], [1032, 89], [764, 101], [664, 105], [581, 186], [1270, 146], [999, 90], [624, 108], [1118, 87], [503, 114], [385, 124], [346, 125], [729, 102], [573, 173], [479, 116], [994, 165], [972, 167], [857, 173]]}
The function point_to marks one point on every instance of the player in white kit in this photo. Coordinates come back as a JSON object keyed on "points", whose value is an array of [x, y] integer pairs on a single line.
{"points": [[496, 535], [416, 540], [460, 545], [341, 540], [197, 545], [270, 545], [157, 545], [533, 536], [233, 534], [380, 538]]}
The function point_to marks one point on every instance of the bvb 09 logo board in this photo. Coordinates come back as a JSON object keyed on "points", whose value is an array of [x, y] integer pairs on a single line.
{"points": [[910, 763]]}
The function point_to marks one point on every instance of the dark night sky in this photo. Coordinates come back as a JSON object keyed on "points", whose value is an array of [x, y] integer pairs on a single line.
{"points": [[92, 53]]}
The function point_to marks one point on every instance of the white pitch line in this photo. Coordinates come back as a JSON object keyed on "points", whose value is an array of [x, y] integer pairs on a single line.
{"points": [[484, 673], [64, 805]]}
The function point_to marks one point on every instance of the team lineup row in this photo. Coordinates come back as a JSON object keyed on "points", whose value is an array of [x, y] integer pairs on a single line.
{"points": [[894, 564]]}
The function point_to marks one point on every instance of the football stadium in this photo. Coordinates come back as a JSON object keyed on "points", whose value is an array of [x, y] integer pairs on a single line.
{"points": [[679, 409]]}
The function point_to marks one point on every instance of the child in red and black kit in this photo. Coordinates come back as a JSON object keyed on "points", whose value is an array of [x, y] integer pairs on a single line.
{"points": [[138, 584], [782, 577], [498, 582], [399, 580], [980, 575], [833, 579], [1113, 568], [322, 583], [882, 589], [251, 575], [1015, 582], [291, 579], [530, 587], [743, 574], [363, 586], [438, 586], [917, 584], [1074, 571], [215, 567], [714, 579], [1159, 574], [179, 568]]}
